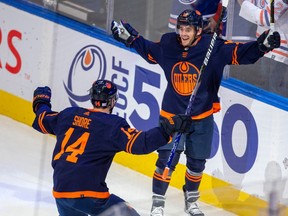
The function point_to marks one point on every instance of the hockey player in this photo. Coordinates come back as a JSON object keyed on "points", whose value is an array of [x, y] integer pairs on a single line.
{"points": [[180, 54], [86, 142]]}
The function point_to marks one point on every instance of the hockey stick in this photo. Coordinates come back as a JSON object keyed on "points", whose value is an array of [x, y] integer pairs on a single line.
{"points": [[193, 95], [272, 22]]}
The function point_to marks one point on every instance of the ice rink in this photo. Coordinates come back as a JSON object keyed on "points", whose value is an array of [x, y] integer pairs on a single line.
{"points": [[26, 177]]}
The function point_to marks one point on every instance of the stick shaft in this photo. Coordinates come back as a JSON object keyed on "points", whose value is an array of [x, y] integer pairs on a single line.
{"points": [[272, 12], [272, 19]]}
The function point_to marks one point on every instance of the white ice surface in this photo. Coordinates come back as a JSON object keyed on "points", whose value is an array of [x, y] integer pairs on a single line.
{"points": [[26, 178]]}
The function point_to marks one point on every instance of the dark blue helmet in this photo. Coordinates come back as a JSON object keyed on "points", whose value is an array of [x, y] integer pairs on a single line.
{"points": [[103, 94], [190, 17]]}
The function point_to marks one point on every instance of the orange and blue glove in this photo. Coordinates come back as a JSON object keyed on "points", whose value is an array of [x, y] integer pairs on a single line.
{"points": [[42, 95]]}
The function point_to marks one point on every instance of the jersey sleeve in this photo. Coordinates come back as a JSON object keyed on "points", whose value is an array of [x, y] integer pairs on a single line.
{"points": [[147, 49], [246, 53], [240, 53], [45, 120], [133, 141]]}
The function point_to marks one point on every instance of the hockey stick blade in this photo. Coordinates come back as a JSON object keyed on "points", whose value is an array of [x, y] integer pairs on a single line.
{"points": [[193, 95]]}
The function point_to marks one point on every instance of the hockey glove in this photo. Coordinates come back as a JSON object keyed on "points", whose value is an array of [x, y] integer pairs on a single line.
{"points": [[178, 123], [42, 95], [268, 41], [123, 32]]}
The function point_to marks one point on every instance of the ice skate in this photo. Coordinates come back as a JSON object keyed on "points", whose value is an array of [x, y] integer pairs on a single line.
{"points": [[191, 207], [158, 203]]}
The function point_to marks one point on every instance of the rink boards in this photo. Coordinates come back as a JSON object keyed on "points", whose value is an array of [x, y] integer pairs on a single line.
{"points": [[249, 158]]}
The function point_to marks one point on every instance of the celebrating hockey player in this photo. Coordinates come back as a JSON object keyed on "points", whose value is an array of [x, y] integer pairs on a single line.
{"points": [[86, 143], [181, 54]]}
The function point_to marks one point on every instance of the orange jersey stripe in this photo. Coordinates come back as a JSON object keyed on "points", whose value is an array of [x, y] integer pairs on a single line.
{"points": [[131, 142], [40, 122], [52, 114], [151, 58], [216, 107], [80, 194], [234, 58], [204, 115]]}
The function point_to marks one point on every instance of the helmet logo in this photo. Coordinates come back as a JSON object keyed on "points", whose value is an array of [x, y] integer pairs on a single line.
{"points": [[108, 85]]}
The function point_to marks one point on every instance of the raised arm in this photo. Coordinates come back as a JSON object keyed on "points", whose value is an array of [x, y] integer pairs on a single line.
{"points": [[41, 105]]}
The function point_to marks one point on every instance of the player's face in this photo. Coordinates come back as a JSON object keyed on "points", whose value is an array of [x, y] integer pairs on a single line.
{"points": [[187, 34]]}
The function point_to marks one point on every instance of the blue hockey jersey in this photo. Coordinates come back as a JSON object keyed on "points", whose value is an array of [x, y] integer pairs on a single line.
{"points": [[86, 142], [182, 68]]}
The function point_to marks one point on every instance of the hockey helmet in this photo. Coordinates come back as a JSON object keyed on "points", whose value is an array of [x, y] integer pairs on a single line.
{"points": [[103, 94], [190, 17]]}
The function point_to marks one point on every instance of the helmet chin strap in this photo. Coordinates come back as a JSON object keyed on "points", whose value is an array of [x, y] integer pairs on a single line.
{"points": [[111, 110], [111, 105], [197, 35], [190, 45], [192, 42]]}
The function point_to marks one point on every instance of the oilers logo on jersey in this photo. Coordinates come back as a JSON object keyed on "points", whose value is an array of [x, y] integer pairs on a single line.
{"points": [[184, 77]]}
